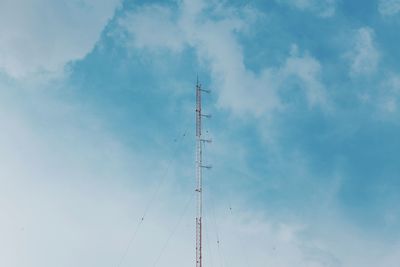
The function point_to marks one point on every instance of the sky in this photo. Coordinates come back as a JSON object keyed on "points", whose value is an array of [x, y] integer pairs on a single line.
{"points": [[97, 102]]}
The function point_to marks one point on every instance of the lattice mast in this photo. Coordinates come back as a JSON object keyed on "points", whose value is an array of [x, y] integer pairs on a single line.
{"points": [[199, 167]]}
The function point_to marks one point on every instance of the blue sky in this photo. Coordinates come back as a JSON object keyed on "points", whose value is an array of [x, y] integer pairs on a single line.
{"points": [[97, 105]]}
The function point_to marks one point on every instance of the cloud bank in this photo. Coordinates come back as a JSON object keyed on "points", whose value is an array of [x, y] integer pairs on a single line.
{"points": [[40, 36]]}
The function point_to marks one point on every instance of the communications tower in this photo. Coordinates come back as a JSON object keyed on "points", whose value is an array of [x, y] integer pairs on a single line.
{"points": [[199, 167]]}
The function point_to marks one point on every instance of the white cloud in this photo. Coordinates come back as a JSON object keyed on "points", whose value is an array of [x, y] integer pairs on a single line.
{"points": [[389, 7], [215, 41], [308, 70], [154, 32], [71, 193], [323, 8], [389, 94], [364, 56], [39, 36]]}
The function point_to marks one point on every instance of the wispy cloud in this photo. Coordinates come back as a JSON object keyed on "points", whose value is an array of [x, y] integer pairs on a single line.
{"points": [[216, 44], [389, 94], [389, 7], [323, 8], [364, 56]]}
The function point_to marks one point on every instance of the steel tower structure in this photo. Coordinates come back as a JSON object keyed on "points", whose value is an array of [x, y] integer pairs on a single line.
{"points": [[199, 166]]}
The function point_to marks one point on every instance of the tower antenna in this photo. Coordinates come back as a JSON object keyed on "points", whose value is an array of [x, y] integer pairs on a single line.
{"points": [[199, 167]]}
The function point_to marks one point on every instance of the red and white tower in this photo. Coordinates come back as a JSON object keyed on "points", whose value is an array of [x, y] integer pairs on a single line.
{"points": [[199, 166]]}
